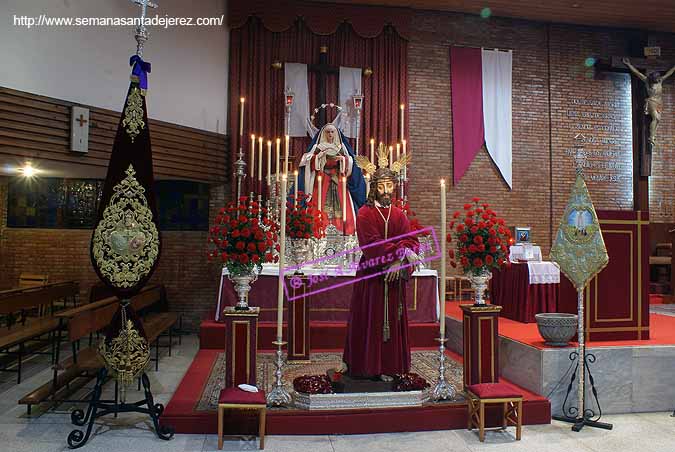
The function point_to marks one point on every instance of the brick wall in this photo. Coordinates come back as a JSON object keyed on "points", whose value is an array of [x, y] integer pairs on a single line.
{"points": [[555, 96], [63, 254]]}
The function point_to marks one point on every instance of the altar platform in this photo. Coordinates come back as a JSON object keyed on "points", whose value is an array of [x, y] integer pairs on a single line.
{"points": [[191, 409], [629, 374]]}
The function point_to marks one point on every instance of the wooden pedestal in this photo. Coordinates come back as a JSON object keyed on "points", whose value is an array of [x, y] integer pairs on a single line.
{"points": [[298, 323], [241, 328], [481, 343]]}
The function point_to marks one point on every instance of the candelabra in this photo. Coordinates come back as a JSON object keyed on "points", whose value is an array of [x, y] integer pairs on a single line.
{"points": [[278, 396], [443, 389], [240, 171]]}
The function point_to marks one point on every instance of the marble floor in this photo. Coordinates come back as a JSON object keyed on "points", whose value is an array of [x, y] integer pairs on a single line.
{"points": [[47, 431]]}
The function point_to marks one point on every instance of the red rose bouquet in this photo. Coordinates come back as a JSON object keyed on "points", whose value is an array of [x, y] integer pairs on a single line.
{"points": [[240, 239], [303, 219], [481, 239]]}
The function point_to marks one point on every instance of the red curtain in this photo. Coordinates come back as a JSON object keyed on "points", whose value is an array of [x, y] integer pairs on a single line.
{"points": [[253, 49]]}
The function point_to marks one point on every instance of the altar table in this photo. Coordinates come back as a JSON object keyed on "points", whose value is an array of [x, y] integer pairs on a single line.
{"points": [[332, 304], [524, 290]]}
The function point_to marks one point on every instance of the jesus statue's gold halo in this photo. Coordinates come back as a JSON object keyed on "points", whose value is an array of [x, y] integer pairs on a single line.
{"points": [[382, 161]]}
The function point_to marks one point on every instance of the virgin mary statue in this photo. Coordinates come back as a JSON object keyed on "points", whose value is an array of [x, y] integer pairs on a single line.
{"points": [[331, 156]]}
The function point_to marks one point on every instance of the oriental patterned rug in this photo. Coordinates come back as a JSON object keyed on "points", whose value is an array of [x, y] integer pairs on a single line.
{"points": [[424, 363]]}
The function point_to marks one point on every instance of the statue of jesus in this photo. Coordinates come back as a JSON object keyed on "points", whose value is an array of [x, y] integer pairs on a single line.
{"points": [[654, 103], [330, 156]]}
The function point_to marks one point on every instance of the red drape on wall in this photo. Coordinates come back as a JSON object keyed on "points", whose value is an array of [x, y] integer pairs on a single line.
{"points": [[253, 49], [322, 18], [467, 107]]}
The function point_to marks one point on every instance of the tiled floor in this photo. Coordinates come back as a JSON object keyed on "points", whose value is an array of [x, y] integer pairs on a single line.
{"points": [[644, 432]]}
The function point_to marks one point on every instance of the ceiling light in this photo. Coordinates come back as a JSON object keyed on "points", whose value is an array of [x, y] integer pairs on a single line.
{"points": [[27, 170]]}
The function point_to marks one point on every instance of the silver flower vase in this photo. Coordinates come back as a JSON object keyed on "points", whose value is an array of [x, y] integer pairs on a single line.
{"points": [[242, 285], [301, 251], [479, 284]]}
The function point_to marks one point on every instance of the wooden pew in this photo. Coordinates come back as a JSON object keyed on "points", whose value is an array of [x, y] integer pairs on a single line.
{"points": [[83, 322], [25, 329]]}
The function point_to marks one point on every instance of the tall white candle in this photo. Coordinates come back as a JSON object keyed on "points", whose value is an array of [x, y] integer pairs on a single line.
{"points": [[288, 143], [295, 185], [278, 157], [367, 184], [260, 159], [402, 120], [319, 191], [443, 254], [241, 117], [405, 167], [282, 261], [398, 151], [252, 156], [269, 163], [391, 156], [372, 151]]}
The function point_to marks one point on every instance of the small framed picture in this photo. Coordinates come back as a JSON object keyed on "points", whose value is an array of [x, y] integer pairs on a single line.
{"points": [[522, 235]]}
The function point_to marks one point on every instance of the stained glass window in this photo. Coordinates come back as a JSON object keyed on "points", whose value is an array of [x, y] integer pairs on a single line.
{"points": [[72, 204]]}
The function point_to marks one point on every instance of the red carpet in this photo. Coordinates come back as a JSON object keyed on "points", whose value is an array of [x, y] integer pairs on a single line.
{"points": [[661, 330], [180, 413]]}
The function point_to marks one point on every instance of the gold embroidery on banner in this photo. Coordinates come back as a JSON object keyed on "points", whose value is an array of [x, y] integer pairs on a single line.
{"points": [[579, 248], [127, 355], [133, 114], [126, 241]]}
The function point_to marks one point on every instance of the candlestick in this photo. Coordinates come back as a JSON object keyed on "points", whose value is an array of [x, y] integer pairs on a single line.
{"points": [[344, 205], [252, 155], [443, 389], [282, 260], [372, 151], [241, 117], [269, 164], [391, 157], [405, 166], [278, 156], [288, 143], [295, 184], [260, 160], [402, 120], [319, 192], [443, 254]]}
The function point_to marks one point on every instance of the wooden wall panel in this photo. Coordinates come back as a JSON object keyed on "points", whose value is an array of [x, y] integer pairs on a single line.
{"points": [[38, 127]]}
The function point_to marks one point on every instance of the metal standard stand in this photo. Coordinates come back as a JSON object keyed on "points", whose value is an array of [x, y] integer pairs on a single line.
{"points": [[443, 390], [580, 415], [77, 438], [278, 396]]}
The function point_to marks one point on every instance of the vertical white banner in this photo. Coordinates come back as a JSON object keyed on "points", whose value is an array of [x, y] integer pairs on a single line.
{"points": [[350, 84], [295, 81], [497, 116]]}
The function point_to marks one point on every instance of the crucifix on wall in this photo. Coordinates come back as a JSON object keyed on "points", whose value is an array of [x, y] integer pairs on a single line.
{"points": [[296, 88], [647, 101]]}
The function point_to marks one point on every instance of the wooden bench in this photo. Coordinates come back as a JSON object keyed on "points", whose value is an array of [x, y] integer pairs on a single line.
{"points": [[21, 328], [32, 280], [83, 322]]}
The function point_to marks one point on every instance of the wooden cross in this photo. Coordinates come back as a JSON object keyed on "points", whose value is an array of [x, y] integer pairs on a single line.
{"points": [[81, 120], [323, 69]]}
